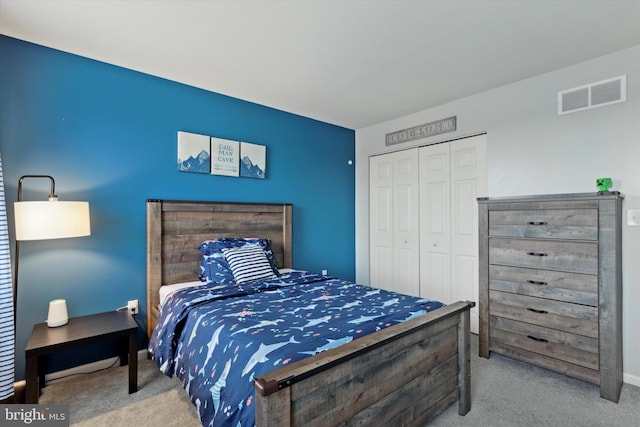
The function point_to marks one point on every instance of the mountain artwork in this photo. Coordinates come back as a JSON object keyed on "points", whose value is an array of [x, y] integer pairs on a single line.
{"points": [[199, 164], [254, 160], [193, 152]]}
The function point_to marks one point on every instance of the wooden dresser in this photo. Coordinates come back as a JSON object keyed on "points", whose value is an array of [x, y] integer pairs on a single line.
{"points": [[551, 283]]}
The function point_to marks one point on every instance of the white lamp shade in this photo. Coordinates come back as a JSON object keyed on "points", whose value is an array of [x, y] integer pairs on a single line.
{"points": [[38, 220]]}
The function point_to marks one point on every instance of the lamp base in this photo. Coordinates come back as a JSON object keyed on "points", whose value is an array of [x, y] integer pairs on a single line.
{"points": [[57, 313]]}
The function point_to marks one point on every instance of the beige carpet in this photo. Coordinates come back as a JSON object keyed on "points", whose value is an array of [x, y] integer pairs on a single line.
{"points": [[102, 399]]}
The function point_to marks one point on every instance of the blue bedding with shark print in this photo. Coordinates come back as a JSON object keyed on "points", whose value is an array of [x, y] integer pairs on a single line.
{"points": [[217, 338]]}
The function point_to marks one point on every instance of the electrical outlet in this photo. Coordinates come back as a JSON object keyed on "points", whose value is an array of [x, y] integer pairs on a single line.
{"points": [[633, 217], [132, 306], [324, 272]]}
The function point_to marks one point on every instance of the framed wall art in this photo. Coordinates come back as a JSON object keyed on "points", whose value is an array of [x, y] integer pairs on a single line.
{"points": [[253, 162], [225, 157], [219, 156], [193, 152]]}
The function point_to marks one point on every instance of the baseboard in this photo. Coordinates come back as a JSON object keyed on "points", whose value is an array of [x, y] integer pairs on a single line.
{"points": [[88, 368], [631, 379], [19, 394]]}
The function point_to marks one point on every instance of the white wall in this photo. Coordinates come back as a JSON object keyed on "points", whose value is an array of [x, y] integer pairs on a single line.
{"points": [[532, 150]]}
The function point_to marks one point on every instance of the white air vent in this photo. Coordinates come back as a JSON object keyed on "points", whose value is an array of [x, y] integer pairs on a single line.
{"points": [[593, 95]]}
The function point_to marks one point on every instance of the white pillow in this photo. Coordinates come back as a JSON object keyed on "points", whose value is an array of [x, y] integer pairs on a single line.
{"points": [[248, 263]]}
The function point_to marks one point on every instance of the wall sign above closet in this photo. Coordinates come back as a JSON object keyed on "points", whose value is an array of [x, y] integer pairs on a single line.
{"points": [[422, 131]]}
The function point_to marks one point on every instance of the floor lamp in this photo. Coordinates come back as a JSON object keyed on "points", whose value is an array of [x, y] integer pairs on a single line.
{"points": [[42, 220]]}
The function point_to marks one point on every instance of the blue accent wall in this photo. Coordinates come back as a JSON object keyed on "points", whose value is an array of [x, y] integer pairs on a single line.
{"points": [[108, 135]]}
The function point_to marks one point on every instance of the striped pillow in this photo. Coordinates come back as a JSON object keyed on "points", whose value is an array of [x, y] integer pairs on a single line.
{"points": [[248, 263]]}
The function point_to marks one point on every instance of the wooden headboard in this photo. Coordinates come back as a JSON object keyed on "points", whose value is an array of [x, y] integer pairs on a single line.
{"points": [[175, 229]]}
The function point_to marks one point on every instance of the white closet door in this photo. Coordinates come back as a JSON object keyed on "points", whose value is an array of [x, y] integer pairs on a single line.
{"points": [[380, 220], [424, 219], [452, 176], [435, 225], [394, 222], [468, 182]]}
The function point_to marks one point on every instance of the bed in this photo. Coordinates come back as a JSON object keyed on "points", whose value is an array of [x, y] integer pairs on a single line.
{"points": [[405, 374]]}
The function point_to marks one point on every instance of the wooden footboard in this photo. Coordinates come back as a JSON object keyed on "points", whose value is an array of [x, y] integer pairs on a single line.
{"points": [[406, 375]]}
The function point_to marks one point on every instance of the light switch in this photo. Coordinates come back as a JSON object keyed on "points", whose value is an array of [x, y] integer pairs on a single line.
{"points": [[633, 217]]}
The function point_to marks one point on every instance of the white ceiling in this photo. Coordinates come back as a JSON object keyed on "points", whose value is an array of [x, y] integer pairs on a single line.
{"points": [[350, 63]]}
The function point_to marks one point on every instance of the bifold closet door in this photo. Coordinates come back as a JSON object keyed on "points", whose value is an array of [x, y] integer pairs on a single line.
{"points": [[452, 176], [393, 227], [435, 223]]}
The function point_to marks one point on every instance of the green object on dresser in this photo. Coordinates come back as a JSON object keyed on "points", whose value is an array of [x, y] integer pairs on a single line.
{"points": [[603, 184]]}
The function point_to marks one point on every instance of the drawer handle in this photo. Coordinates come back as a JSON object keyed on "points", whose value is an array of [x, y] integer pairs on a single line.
{"points": [[535, 282], [537, 311], [537, 339], [536, 253], [537, 223]]}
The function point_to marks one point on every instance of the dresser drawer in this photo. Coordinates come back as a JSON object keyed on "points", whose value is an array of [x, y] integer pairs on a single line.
{"points": [[558, 285], [576, 257], [547, 361], [575, 224], [572, 348], [575, 318]]}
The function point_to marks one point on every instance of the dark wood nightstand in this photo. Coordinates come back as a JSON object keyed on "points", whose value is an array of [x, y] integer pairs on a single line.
{"points": [[111, 326]]}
